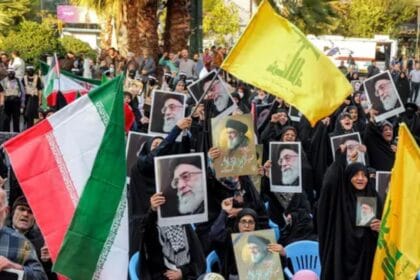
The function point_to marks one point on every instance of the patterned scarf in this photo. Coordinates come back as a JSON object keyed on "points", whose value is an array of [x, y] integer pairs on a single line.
{"points": [[175, 247]]}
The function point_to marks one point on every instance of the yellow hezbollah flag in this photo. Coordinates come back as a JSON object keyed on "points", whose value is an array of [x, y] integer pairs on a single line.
{"points": [[274, 55], [398, 252]]}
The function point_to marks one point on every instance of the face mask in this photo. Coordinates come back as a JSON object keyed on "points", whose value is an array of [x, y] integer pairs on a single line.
{"points": [[31, 72], [11, 75], [152, 82], [132, 75]]}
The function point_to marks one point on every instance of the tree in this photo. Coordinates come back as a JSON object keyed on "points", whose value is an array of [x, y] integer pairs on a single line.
{"points": [[177, 26], [72, 44], [220, 20], [32, 40], [367, 18], [11, 12], [310, 16]]}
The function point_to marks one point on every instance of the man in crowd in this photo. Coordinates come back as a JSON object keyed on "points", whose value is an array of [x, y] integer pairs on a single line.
{"points": [[16, 252], [17, 64], [13, 98], [147, 66], [23, 221], [33, 86], [236, 137], [372, 69], [173, 111], [187, 65], [188, 182], [415, 82]]}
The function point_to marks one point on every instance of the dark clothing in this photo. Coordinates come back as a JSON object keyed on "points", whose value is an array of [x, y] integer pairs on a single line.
{"points": [[379, 151], [12, 113], [372, 71], [295, 204], [346, 251], [35, 237], [142, 181], [403, 88], [152, 259]]}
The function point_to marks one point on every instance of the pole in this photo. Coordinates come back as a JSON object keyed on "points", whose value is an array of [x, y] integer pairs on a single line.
{"points": [[417, 36], [196, 37]]}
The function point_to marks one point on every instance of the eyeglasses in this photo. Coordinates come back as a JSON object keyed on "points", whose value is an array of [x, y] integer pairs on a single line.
{"points": [[171, 107], [286, 158], [247, 222], [186, 176]]}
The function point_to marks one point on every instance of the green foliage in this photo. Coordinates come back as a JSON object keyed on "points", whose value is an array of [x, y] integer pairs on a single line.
{"points": [[77, 46], [32, 40], [11, 12], [367, 18], [220, 19]]}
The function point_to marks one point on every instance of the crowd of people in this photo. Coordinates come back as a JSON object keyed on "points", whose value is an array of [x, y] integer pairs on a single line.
{"points": [[333, 181]]}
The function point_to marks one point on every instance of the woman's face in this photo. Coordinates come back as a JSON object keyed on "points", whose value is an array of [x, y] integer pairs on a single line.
{"points": [[359, 180], [246, 224]]}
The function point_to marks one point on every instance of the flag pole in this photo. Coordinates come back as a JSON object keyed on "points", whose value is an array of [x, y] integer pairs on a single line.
{"points": [[206, 91]]}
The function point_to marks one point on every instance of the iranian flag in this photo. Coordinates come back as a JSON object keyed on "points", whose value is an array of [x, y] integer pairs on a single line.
{"points": [[54, 82], [71, 168]]}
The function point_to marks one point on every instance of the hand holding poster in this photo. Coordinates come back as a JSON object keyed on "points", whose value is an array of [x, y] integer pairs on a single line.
{"points": [[182, 180], [383, 96], [355, 151], [167, 109], [234, 136], [253, 259]]}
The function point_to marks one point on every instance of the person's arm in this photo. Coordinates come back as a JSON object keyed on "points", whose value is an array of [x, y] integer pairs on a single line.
{"points": [[32, 268], [218, 232]]}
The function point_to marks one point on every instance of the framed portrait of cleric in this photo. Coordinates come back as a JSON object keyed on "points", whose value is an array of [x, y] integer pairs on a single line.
{"points": [[365, 210], [294, 114], [219, 93], [234, 135], [383, 178], [383, 96], [182, 180], [135, 142], [253, 259], [286, 167], [167, 108], [256, 179], [354, 149], [356, 85]]}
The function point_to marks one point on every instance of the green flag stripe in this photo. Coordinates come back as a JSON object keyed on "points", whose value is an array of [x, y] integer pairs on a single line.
{"points": [[95, 212]]}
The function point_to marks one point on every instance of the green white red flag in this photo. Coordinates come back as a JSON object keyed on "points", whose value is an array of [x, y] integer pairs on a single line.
{"points": [[71, 168]]}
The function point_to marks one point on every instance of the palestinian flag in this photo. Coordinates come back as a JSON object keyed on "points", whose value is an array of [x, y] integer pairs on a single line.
{"points": [[71, 168]]}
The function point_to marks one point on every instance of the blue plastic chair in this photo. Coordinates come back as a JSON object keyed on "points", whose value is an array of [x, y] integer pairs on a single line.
{"points": [[211, 259], [303, 255], [273, 225], [418, 276], [133, 265]]}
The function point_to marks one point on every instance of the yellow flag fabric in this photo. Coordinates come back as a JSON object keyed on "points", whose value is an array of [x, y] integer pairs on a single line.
{"points": [[398, 252], [274, 55]]}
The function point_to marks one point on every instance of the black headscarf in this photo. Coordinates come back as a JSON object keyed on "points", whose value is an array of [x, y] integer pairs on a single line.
{"points": [[379, 151], [346, 251]]}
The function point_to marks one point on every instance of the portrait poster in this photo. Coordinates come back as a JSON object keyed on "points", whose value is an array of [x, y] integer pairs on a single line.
{"points": [[256, 179], [383, 96], [365, 210], [286, 167], [135, 143], [294, 114], [234, 136], [253, 260], [11, 274], [353, 144], [167, 108], [219, 93], [383, 178], [356, 85], [182, 180]]}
